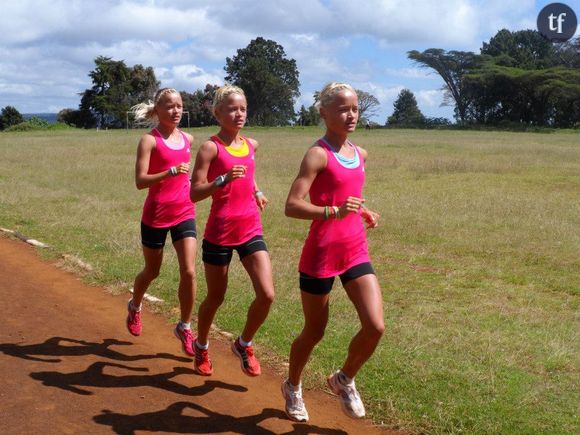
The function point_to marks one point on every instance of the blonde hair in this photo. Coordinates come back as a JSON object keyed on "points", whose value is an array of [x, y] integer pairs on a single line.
{"points": [[327, 93], [144, 113], [223, 93]]}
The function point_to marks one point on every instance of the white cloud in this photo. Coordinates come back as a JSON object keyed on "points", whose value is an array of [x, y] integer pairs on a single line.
{"points": [[49, 46], [430, 98], [188, 77], [412, 73], [7, 89]]}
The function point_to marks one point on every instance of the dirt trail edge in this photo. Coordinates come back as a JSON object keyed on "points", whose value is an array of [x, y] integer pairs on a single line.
{"points": [[69, 366]]}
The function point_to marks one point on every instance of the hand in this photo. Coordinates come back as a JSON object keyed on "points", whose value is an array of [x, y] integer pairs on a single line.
{"points": [[237, 171], [261, 201], [182, 168], [370, 217], [351, 205]]}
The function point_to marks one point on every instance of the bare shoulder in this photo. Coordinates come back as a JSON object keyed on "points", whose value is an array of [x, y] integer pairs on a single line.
{"points": [[364, 153], [252, 142], [147, 142], [208, 149], [316, 151], [188, 136], [315, 157]]}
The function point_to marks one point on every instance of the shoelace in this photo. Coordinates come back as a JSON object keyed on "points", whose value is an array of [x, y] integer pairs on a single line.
{"points": [[351, 393], [201, 354], [246, 353], [296, 398]]}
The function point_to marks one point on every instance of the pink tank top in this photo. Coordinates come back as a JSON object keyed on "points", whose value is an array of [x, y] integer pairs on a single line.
{"points": [[234, 217], [335, 245], [168, 202]]}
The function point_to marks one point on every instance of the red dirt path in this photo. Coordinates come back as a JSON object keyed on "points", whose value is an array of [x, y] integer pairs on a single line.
{"points": [[69, 366]]}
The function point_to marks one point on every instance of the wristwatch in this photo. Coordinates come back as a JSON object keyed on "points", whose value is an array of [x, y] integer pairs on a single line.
{"points": [[220, 181]]}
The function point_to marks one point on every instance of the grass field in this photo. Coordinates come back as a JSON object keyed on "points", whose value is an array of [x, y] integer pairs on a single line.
{"points": [[477, 253]]}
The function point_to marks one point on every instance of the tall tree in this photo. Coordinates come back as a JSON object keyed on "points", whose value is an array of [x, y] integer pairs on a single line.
{"points": [[524, 79], [406, 111], [303, 116], [10, 116], [368, 105], [526, 49], [269, 80], [452, 66], [116, 87]]}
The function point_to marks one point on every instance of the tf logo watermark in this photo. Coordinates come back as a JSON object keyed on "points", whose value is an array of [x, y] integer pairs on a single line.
{"points": [[557, 22]]}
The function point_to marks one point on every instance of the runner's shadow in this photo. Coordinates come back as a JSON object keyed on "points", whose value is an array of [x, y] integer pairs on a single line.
{"points": [[57, 346], [173, 420], [94, 376]]}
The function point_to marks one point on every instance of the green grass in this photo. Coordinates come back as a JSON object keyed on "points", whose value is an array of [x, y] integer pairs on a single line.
{"points": [[477, 253]]}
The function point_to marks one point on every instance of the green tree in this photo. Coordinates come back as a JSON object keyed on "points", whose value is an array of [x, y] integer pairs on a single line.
{"points": [[303, 117], [524, 79], [406, 111], [10, 116], [115, 89], [526, 49], [309, 116], [539, 97], [313, 115], [199, 104], [452, 66], [269, 80]]}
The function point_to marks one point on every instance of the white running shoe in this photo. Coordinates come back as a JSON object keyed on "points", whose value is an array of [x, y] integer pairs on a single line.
{"points": [[349, 398], [295, 408]]}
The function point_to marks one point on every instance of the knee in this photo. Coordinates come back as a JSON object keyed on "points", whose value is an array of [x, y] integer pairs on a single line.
{"points": [[374, 331], [265, 298], [188, 274], [313, 336], [150, 274], [214, 300]]}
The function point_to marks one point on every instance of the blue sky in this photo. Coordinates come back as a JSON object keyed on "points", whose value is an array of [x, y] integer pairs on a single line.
{"points": [[48, 47]]}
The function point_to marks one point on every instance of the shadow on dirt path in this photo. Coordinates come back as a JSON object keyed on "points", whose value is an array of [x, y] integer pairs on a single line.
{"points": [[69, 366]]}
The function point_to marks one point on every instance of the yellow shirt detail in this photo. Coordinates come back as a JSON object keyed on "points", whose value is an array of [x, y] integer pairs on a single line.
{"points": [[239, 151]]}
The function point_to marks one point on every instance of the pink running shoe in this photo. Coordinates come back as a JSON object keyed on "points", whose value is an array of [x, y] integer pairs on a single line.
{"points": [[202, 363], [133, 320], [249, 363], [186, 338]]}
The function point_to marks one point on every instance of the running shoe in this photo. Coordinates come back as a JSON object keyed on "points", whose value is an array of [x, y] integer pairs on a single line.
{"points": [[186, 338], [248, 362], [295, 409], [202, 363], [349, 398], [133, 320]]}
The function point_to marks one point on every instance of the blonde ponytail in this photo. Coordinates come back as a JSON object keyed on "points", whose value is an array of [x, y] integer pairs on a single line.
{"points": [[144, 113]]}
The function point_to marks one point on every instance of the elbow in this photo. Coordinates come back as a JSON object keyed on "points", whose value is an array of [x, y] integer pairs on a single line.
{"points": [[289, 210], [195, 195], [140, 183]]}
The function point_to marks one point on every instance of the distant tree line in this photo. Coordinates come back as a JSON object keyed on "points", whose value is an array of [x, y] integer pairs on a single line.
{"points": [[268, 78], [518, 78]]}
